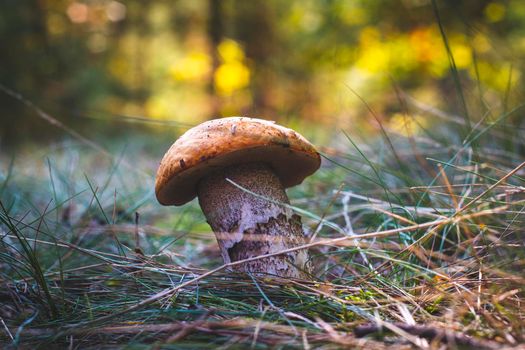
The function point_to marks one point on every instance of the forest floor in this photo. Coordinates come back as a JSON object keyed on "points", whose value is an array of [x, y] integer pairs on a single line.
{"points": [[417, 242]]}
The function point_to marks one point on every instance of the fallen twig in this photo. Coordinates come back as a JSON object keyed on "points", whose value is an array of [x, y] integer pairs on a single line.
{"points": [[431, 333]]}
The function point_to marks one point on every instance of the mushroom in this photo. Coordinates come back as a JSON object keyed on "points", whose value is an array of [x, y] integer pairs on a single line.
{"points": [[239, 168]]}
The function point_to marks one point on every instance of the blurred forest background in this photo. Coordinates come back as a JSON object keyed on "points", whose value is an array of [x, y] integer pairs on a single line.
{"points": [[94, 64]]}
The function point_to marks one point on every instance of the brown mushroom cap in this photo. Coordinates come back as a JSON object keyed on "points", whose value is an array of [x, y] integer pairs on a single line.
{"points": [[218, 143]]}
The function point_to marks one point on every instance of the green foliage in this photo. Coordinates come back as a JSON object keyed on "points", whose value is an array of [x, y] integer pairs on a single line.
{"points": [[182, 62]]}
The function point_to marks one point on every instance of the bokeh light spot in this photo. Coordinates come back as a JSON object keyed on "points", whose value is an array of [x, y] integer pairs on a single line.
{"points": [[116, 11], [230, 51], [230, 77], [494, 12], [78, 12], [193, 67]]}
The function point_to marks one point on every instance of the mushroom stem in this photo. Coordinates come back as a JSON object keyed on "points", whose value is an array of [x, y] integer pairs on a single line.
{"points": [[247, 226]]}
